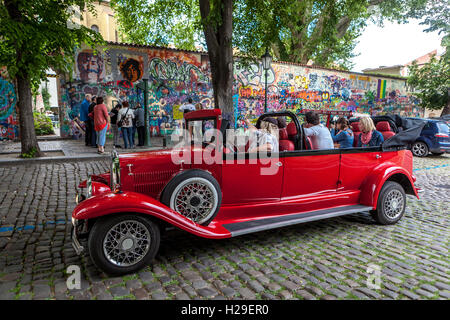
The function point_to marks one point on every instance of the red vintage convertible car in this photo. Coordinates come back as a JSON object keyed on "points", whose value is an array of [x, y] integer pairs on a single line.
{"points": [[122, 212]]}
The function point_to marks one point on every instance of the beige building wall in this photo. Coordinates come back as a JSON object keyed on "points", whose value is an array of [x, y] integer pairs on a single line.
{"points": [[104, 21]]}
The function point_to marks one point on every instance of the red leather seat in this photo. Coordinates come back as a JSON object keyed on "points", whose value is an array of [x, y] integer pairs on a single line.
{"points": [[308, 144], [286, 145], [283, 134], [385, 129], [355, 127], [291, 130], [356, 132]]}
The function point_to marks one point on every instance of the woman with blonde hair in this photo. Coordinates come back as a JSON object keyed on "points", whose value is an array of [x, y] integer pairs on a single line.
{"points": [[369, 136], [265, 138]]}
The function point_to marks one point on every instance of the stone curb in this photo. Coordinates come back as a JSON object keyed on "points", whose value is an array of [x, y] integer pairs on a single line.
{"points": [[13, 162], [18, 161]]}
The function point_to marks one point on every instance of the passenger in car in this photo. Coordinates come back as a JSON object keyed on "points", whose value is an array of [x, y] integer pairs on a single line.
{"points": [[265, 138], [369, 136], [342, 134], [319, 134], [281, 122]]}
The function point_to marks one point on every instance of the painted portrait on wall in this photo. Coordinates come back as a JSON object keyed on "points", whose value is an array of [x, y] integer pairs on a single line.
{"points": [[132, 69], [90, 67]]}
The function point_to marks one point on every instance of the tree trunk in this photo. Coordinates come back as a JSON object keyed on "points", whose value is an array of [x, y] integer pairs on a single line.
{"points": [[446, 109], [28, 137], [218, 35]]}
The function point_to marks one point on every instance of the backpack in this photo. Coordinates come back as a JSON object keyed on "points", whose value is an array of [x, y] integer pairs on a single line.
{"points": [[120, 122]]}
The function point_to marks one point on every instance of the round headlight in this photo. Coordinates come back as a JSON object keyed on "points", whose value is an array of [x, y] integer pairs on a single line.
{"points": [[115, 170], [88, 187]]}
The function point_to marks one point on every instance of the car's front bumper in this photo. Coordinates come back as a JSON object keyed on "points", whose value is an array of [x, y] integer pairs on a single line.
{"points": [[79, 249]]}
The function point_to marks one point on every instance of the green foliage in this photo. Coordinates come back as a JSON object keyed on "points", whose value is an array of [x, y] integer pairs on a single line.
{"points": [[46, 97], [324, 31], [160, 22], [36, 36], [42, 124], [431, 82], [30, 154]]}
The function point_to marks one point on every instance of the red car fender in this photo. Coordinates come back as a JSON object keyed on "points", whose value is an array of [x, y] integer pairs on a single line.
{"points": [[126, 202], [373, 183]]}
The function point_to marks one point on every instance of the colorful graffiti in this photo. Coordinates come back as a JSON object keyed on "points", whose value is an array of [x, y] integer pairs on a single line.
{"points": [[8, 116], [90, 66], [174, 76]]}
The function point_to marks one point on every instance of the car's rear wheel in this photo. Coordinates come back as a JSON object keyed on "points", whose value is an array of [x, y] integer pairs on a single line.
{"points": [[391, 204], [123, 244], [420, 149], [195, 194]]}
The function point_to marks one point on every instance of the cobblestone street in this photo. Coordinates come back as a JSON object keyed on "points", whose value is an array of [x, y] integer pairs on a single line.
{"points": [[328, 259]]}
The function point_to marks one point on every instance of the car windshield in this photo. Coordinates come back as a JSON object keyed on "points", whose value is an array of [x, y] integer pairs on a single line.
{"points": [[442, 127], [197, 129]]}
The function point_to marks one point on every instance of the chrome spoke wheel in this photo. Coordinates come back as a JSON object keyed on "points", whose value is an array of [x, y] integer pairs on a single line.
{"points": [[126, 243], [196, 199], [394, 204]]}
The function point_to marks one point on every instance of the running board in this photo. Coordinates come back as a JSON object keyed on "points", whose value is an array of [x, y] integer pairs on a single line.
{"points": [[245, 227]]}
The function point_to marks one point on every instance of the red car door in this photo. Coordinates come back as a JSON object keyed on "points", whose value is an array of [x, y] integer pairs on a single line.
{"points": [[251, 180], [356, 164], [310, 180]]}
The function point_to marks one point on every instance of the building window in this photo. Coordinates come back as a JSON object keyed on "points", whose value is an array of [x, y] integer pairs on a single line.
{"points": [[95, 28]]}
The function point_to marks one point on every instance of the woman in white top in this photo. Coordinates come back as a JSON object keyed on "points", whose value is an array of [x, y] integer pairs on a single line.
{"points": [[264, 139], [125, 122]]}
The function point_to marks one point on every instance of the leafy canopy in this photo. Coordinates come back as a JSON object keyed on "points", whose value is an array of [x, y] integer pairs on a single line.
{"points": [[37, 35], [431, 82], [324, 31]]}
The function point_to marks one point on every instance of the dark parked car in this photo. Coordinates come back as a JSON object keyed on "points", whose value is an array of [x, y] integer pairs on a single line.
{"points": [[434, 138]]}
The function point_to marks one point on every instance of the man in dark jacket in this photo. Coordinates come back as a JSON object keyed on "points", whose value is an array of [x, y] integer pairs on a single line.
{"points": [[84, 111], [91, 123], [115, 128], [140, 124]]}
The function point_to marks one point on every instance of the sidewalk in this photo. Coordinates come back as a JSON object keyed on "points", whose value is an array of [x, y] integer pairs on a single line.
{"points": [[61, 149]]}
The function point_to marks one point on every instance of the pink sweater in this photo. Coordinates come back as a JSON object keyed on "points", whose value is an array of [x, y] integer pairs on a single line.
{"points": [[100, 117]]}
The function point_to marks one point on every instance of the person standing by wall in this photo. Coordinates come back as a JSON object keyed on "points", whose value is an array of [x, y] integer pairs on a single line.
{"points": [[125, 120], [101, 123], [140, 124], [187, 107], [84, 116], [115, 128], [134, 128], [93, 140]]}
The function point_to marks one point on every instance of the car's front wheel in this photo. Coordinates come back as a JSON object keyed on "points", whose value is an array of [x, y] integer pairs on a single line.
{"points": [[123, 244], [420, 149], [195, 194], [391, 203]]}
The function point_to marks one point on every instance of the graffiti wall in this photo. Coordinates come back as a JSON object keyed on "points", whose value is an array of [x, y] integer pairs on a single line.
{"points": [[8, 113], [294, 87], [117, 72]]}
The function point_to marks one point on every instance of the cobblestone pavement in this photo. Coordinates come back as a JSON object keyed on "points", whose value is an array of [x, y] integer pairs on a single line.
{"points": [[328, 259]]}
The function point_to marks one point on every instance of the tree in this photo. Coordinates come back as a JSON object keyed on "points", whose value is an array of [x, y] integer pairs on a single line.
{"points": [[322, 31], [217, 18], [431, 82], [36, 36]]}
